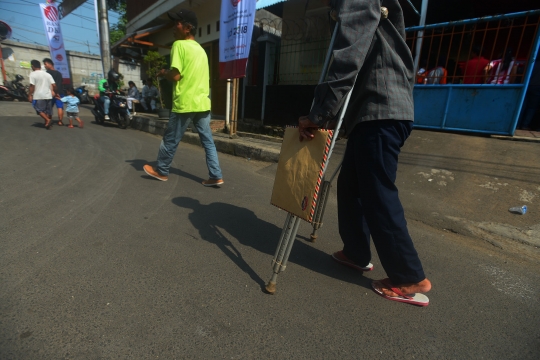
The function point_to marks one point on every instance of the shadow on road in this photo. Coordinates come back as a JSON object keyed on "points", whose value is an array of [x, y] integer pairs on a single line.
{"points": [[139, 163], [249, 230]]}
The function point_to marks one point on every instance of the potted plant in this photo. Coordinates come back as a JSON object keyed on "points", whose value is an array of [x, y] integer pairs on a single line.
{"points": [[155, 62]]}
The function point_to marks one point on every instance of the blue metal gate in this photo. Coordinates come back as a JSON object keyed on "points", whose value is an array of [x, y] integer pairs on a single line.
{"points": [[479, 107]]}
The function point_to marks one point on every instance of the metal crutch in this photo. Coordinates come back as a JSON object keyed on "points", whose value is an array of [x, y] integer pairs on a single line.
{"points": [[321, 204], [288, 234]]}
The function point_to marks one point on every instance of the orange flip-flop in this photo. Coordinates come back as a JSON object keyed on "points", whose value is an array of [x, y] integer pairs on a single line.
{"points": [[417, 299]]}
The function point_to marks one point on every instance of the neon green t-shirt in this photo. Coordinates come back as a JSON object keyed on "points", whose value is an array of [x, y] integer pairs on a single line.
{"points": [[191, 93]]}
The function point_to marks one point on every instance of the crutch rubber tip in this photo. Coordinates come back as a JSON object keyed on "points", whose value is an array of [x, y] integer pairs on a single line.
{"points": [[270, 288], [312, 237]]}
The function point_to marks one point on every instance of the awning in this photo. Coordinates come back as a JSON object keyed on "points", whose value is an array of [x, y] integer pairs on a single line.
{"points": [[134, 40], [261, 4]]}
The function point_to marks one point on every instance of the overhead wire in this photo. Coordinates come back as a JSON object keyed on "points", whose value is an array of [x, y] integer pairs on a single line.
{"points": [[86, 18], [65, 38], [37, 17]]}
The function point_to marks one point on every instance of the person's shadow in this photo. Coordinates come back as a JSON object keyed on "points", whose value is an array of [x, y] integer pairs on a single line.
{"points": [[263, 236], [139, 163]]}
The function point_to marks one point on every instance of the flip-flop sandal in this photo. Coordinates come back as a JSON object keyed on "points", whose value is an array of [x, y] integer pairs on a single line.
{"points": [[342, 259], [70, 126], [81, 125], [60, 123], [417, 299]]}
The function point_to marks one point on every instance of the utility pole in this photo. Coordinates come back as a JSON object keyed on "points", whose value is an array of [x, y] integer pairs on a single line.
{"points": [[104, 36]]}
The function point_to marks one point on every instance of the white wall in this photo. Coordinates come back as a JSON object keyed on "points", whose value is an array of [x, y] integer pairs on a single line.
{"points": [[85, 69]]}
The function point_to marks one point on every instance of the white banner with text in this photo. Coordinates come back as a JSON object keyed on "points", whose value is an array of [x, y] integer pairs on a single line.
{"points": [[236, 27], [51, 22]]}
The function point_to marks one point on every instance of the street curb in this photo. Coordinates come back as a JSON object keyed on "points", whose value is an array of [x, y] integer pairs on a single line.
{"points": [[242, 147], [516, 138]]}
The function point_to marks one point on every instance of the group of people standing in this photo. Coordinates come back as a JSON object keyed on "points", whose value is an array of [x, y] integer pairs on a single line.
{"points": [[476, 70], [479, 70], [47, 90]]}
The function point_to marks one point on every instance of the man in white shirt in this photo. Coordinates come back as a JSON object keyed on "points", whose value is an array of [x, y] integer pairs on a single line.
{"points": [[42, 90]]}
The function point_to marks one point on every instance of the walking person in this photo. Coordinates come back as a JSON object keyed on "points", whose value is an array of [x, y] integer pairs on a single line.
{"points": [[370, 47], [72, 104], [57, 76], [191, 103], [42, 90]]}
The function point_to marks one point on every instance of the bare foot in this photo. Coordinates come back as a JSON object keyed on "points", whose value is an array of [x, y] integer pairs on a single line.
{"points": [[411, 288]]}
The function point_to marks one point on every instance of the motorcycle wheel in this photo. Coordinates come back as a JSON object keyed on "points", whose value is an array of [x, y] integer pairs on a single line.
{"points": [[4, 95], [127, 120], [121, 121], [99, 120]]}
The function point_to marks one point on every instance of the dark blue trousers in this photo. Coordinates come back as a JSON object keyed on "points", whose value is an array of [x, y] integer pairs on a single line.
{"points": [[368, 201]]}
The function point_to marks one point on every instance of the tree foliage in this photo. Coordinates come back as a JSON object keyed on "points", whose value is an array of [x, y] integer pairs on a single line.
{"points": [[118, 30], [114, 5], [155, 62]]}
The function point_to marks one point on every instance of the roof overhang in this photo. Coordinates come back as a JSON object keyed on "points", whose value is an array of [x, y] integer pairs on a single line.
{"points": [[136, 39]]}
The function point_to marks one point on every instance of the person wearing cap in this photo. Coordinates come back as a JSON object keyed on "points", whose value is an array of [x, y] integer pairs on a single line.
{"points": [[373, 62], [191, 102]]}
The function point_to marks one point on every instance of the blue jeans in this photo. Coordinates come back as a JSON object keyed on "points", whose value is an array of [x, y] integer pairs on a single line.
{"points": [[106, 103], [176, 128]]}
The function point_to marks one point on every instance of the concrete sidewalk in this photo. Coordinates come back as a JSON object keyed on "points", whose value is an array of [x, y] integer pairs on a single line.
{"points": [[249, 146], [262, 147]]}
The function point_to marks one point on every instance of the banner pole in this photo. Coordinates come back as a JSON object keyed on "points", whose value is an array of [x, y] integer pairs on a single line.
{"points": [[228, 108]]}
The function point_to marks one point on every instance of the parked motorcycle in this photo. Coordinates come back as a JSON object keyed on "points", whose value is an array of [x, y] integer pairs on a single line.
{"points": [[82, 94], [14, 90], [118, 110]]}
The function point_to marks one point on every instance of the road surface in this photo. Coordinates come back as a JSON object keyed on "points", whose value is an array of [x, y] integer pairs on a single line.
{"points": [[99, 261]]}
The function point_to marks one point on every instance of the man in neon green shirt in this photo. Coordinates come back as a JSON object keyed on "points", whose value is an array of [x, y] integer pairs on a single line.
{"points": [[190, 74]]}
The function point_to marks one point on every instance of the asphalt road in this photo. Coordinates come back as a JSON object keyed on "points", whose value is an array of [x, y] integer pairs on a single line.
{"points": [[99, 261]]}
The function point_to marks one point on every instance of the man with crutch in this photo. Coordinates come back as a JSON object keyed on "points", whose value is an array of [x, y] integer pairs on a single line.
{"points": [[370, 57]]}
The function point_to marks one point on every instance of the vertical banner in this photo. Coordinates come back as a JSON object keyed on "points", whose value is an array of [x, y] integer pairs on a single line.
{"points": [[51, 22], [236, 27]]}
